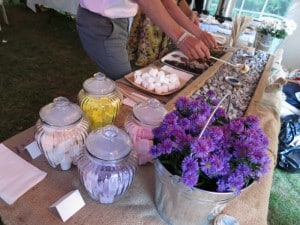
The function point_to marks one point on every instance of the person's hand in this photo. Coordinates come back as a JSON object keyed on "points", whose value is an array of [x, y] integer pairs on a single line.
{"points": [[208, 39], [194, 18], [194, 48]]}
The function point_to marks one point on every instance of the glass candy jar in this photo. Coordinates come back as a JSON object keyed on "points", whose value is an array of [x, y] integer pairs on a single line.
{"points": [[108, 165], [100, 100], [145, 116], [61, 131]]}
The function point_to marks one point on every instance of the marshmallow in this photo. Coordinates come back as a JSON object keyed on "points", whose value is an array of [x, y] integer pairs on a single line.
{"points": [[153, 72], [138, 79]]}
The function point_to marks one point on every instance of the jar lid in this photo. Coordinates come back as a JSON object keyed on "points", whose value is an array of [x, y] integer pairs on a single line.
{"points": [[150, 112], [61, 112], [99, 84], [108, 143]]}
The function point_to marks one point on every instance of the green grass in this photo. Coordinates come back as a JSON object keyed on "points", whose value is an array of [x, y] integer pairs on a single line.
{"points": [[284, 206], [44, 59]]}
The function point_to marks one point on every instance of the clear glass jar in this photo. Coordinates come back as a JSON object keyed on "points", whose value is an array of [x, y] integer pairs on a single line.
{"points": [[100, 100], [108, 165], [139, 124], [60, 132]]}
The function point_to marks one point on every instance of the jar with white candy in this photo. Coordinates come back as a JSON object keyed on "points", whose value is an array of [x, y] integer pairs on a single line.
{"points": [[139, 124], [107, 166], [61, 132], [157, 80]]}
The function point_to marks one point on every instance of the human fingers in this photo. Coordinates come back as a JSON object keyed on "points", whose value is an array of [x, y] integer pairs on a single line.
{"points": [[195, 19], [212, 40], [208, 39], [194, 48]]}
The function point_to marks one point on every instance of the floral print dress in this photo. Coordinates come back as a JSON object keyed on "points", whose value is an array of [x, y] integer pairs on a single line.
{"points": [[147, 42]]}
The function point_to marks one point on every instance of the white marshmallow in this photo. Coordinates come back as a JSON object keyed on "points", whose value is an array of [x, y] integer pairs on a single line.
{"points": [[151, 86], [151, 79], [167, 79], [137, 73], [164, 88], [138, 80], [173, 78], [157, 84], [145, 84], [171, 86], [153, 72], [158, 89], [145, 75]]}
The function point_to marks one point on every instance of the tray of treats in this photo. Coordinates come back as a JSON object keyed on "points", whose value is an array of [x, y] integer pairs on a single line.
{"points": [[178, 60], [155, 80]]}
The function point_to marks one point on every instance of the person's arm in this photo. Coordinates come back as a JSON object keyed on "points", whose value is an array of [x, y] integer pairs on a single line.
{"points": [[189, 45], [188, 12], [186, 23]]}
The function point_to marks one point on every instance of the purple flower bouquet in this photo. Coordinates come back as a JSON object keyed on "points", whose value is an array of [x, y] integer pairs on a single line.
{"points": [[226, 157]]}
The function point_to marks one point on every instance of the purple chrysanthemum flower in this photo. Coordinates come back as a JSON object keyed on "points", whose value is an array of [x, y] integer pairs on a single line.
{"points": [[201, 147], [154, 152], [220, 113], [216, 133], [184, 123], [170, 118], [189, 163], [183, 105], [231, 152], [212, 165], [165, 147], [214, 101], [222, 186], [237, 125], [197, 123], [211, 94], [189, 178], [235, 183], [252, 122], [244, 170]]}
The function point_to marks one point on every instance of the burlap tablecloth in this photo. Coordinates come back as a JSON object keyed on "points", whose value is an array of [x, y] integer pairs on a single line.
{"points": [[137, 205], [252, 206]]}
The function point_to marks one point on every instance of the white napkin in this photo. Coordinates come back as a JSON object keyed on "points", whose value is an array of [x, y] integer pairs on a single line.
{"points": [[130, 102], [17, 176], [239, 25]]}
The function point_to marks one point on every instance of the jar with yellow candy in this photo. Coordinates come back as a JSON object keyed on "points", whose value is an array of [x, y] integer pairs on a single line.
{"points": [[100, 100]]}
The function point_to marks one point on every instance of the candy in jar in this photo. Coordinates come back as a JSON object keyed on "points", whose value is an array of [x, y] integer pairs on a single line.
{"points": [[139, 124], [107, 166], [60, 132], [100, 100]]}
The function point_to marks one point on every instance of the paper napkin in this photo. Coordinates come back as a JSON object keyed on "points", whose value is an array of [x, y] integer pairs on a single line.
{"points": [[17, 176]]}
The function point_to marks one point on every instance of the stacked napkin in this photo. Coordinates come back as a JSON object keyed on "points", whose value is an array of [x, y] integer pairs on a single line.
{"points": [[17, 176], [239, 25]]}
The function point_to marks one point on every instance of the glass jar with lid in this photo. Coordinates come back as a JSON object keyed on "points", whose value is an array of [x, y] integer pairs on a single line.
{"points": [[139, 124], [100, 100], [60, 132], [107, 166]]}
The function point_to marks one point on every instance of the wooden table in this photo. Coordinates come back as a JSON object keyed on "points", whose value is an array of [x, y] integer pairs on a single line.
{"points": [[137, 204]]}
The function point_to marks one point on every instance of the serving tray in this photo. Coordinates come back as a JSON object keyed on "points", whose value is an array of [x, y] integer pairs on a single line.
{"points": [[182, 80], [178, 60]]}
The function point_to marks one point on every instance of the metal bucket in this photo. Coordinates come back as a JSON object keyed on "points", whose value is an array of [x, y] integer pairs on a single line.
{"points": [[178, 204], [266, 43]]}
